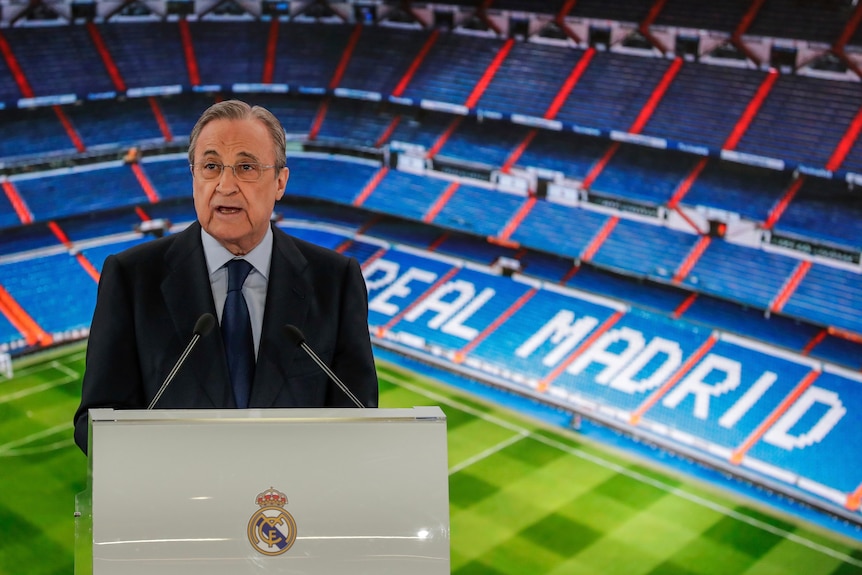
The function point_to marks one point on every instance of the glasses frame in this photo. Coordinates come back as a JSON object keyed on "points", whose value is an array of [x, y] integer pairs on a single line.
{"points": [[262, 167]]}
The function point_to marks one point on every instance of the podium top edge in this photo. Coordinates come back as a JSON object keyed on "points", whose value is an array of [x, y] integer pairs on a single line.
{"points": [[304, 415]]}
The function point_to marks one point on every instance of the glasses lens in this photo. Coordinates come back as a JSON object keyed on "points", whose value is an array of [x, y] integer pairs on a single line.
{"points": [[247, 171], [209, 170]]}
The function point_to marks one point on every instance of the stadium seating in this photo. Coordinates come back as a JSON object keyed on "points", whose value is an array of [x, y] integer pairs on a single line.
{"points": [[487, 142], [634, 263], [746, 190], [374, 67], [309, 53], [33, 284], [529, 79], [146, 55], [98, 127], [406, 195], [607, 277], [803, 120], [78, 70], [79, 190], [829, 296], [33, 134], [560, 229], [644, 174], [477, 210], [572, 155], [644, 249], [829, 211], [703, 104], [354, 122], [210, 39], [464, 58], [742, 274]]}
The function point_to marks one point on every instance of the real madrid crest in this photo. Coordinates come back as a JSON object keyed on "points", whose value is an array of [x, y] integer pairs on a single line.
{"points": [[271, 530]]}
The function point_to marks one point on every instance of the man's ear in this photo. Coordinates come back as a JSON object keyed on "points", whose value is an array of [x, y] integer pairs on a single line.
{"points": [[283, 176]]}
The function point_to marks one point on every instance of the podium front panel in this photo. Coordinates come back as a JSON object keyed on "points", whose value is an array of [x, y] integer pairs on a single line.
{"points": [[270, 491]]}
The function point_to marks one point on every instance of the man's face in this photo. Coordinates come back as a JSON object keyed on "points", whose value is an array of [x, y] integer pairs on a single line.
{"points": [[235, 212]]}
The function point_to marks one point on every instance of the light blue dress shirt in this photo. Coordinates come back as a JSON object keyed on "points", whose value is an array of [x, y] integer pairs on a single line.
{"points": [[254, 288]]}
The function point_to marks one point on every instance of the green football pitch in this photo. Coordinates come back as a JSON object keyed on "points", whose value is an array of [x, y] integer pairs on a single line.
{"points": [[525, 497]]}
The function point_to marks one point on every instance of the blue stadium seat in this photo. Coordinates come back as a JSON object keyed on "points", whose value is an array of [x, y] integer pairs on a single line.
{"points": [[406, 195], [741, 274], [78, 70]]}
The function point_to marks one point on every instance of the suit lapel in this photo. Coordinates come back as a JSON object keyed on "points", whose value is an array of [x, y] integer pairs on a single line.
{"points": [[188, 295], [286, 303]]}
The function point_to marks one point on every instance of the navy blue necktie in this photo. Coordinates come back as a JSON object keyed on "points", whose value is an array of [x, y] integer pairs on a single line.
{"points": [[236, 333]]}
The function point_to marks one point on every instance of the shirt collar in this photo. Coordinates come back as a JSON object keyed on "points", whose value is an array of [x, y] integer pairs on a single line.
{"points": [[217, 255]]}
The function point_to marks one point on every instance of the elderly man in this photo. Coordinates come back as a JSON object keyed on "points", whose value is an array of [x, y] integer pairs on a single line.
{"points": [[234, 264]]}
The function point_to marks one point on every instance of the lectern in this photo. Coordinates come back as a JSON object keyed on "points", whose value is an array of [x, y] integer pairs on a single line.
{"points": [[289, 491]]}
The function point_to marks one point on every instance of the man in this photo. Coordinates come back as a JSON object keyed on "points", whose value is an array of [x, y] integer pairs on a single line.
{"points": [[152, 295]]}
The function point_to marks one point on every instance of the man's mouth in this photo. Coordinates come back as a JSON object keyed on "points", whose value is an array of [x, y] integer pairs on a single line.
{"points": [[227, 210]]}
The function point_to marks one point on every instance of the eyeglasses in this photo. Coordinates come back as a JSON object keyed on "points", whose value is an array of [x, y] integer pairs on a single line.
{"points": [[244, 171]]}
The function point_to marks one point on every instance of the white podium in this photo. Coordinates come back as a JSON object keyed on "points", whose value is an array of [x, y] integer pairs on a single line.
{"points": [[289, 491]]}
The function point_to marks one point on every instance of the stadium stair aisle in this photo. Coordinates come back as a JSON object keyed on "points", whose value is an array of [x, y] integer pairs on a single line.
{"points": [[160, 119], [334, 82], [82, 259], [70, 129], [597, 241], [145, 183], [518, 304], [18, 203], [110, 65], [792, 283], [686, 266], [189, 53], [18, 317], [847, 140], [27, 91], [739, 453], [742, 28], [370, 186], [546, 382], [550, 114], [781, 205], [489, 74], [440, 202], [751, 110], [15, 68], [271, 51], [414, 66], [381, 331]]}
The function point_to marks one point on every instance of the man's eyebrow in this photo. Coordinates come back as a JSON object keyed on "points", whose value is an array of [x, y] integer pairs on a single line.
{"points": [[242, 155], [248, 156]]}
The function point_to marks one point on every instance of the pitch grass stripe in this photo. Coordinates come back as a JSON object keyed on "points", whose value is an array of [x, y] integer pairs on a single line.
{"points": [[488, 452], [9, 449], [637, 476], [71, 377], [703, 502]]}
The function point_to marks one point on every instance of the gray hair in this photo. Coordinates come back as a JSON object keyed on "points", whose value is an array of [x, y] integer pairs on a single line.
{"points": [[239, 110]]}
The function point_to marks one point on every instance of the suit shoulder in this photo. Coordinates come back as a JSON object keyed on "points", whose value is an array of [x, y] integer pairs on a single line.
{"points": [[146, 250], [150, 249]]}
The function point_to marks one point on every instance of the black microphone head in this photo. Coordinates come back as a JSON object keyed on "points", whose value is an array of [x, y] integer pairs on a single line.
{"points": [[205, 324], [293, 334]]}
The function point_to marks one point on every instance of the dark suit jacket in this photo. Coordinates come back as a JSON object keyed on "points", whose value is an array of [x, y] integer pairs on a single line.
{"points": [[150, 297]]}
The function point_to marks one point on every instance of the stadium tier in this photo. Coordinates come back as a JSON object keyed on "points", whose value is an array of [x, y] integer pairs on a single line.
{"points": [[708, 391], [663, 244]]}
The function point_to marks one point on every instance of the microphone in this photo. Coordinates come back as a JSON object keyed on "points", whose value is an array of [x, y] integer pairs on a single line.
{"points": [[203, 326], [294, 335]]}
